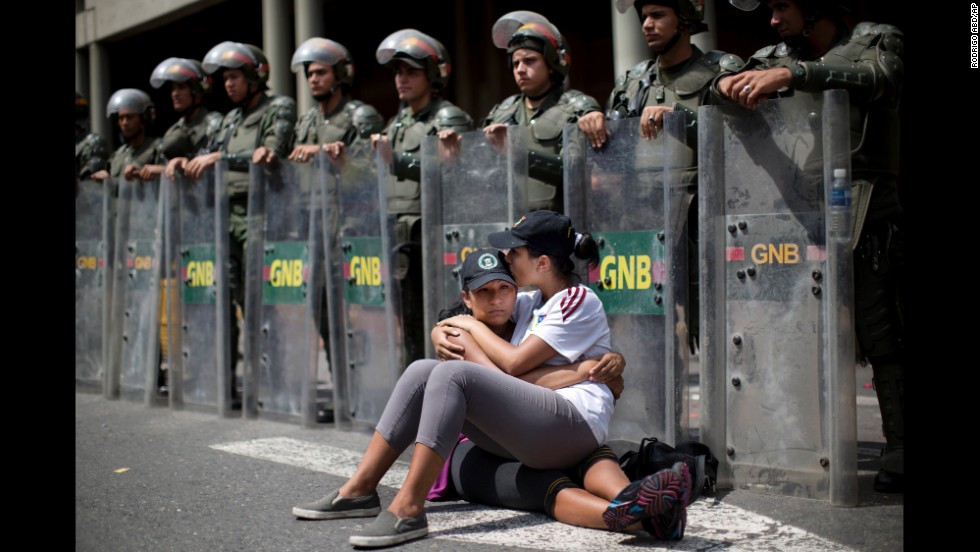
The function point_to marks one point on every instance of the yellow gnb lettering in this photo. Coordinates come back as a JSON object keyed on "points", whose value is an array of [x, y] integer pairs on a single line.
{"points": [[200, 273], [366, 271], [142, 263], [464, 252], [626, 272], [86, 263], [286, 273], [779, 253]]}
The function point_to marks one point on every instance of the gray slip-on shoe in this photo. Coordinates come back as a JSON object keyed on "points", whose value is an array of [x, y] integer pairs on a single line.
{"points": [[388, 529], [334, 506]]}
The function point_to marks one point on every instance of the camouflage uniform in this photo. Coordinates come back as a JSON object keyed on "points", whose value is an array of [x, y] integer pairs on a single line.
{"points": [[91, 154], [867, 62], [187, 138], [544, 126], [146, 154]]}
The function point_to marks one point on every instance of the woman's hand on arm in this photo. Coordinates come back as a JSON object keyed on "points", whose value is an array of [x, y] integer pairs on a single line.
{"points": [[531, 353], [607, 367], [446, 349]]}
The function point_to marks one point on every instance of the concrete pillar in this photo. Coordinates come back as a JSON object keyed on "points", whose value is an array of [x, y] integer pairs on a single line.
{"points": [[629, 46], [276, 43], [708, 40], [82, 78], [98, 93], [308, 23]]}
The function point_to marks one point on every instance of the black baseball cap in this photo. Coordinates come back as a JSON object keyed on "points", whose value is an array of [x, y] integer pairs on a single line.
{"points": [[484, 266], [545, 231]]}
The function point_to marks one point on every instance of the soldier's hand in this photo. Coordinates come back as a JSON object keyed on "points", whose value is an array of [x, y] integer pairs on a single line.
{"points": [[196, 167], [593, 125], [652, 119], [99, 176], [445, 349], [496, 134], [149, 172], [131, 172], [336, 153], [303, 154], [175, 164], [263, 155], [377, 139], [449, 143], [751, 87]]}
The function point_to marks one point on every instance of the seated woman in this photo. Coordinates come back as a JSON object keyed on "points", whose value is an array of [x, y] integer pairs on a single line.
{"points": [[475, 475], [433, 401]]}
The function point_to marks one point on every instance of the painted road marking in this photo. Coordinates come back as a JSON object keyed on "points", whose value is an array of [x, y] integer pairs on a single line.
{"points": [[713, 525]]}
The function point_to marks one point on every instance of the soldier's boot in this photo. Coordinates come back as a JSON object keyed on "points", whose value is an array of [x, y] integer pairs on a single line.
{"points": [[888, 383]]}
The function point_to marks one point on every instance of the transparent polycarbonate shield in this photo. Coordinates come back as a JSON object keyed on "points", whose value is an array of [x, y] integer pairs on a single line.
{"points": [[281, 305], [194, 334], [372, 340], [226, 361], [136, 289], [770, 386], [621, 194], [92, 278], [468, 192]]}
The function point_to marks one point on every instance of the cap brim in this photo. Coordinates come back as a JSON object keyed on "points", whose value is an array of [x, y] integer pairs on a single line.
{"points": [[480, 281], [505, 240]]}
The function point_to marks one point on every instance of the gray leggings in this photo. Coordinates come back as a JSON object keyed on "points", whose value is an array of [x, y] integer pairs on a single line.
{"points": [[433, 402]]}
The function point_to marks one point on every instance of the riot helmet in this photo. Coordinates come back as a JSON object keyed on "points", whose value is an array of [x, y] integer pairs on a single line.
{"points": [[690, 12], [132, 99], [185, 70], [418, 50], [327, 52], [236, 55], [527, 29]]}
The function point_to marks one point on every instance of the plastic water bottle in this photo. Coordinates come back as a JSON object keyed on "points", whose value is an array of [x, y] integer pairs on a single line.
{"points": [[840, 205]]}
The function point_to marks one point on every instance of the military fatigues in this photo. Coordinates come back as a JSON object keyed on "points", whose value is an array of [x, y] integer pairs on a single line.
{"points": [[186, 138], [270, 124], [345, 124], [146, 154], [405, 131], [867, 63], [683, 87], [91, 154], [544, 126]]}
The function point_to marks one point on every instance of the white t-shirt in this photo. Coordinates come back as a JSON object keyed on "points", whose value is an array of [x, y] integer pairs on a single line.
{"points": [[573, 323]]}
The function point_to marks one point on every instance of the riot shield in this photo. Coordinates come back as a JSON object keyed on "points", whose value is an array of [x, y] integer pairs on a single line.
{"points": [[135, 294], [775, 397], [193, 336], [93, 262], [467, 194], [226, 361], [281, 292], [632, 196], [371, 324]]}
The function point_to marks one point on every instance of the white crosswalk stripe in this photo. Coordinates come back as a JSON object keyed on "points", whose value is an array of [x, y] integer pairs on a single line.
{"points": [[712, 525]]}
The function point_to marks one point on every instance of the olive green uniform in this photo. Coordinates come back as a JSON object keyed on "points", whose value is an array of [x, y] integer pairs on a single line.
{"points": [[146, 154], [406, 131], [270, 123], [544, 126], [683, 87], [187, 137], [91, 154], [867, 62]]}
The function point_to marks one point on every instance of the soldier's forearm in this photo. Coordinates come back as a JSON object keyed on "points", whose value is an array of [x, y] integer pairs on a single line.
{"points": [[814, 76]]}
